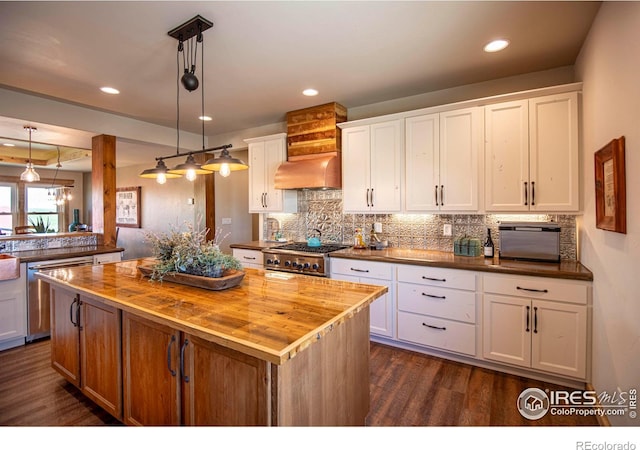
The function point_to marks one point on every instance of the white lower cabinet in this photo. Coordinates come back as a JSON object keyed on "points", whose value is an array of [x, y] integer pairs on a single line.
{"points": [[437, 308], [13, 310], [105, 258], [357, 271], [536, 323], [249, 258]]}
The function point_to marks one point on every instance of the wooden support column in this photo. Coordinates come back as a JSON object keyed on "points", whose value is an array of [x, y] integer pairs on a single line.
{"points": [[103, 187], [204, 191]]}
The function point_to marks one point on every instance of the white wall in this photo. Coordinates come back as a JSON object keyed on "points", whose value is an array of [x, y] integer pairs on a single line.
{"points": [[609, 66]]}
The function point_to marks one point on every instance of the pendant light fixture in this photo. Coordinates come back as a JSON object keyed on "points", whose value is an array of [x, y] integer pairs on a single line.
{"points": [[29, 175], [225, 164], [189, 36]]}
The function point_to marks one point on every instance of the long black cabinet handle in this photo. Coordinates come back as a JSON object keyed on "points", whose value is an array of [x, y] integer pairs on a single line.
{"points": [[434, 327], [528, 311], [434, 279], [544, 291], [249, 257], [372, 197], [75, 299], [173, 372], [436, 195], [182, 375], [360, 270], [526, 194], [441, 195], [533, 193], [367, 197], [434, 296], [535, 319]]}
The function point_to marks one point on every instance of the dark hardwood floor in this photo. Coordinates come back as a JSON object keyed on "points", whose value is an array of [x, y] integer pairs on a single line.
{"points": [[407, 389]]}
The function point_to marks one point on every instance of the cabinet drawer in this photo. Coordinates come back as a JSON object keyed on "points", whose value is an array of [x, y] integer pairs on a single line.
{"points": [[367, 269], [437, 302], [537, 287], [439, 333], [249, 258], [434, 276]]}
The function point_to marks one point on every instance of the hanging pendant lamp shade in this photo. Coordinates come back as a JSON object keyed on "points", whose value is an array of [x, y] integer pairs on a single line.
{"points": [[160, 172], [29, 175], [225, 164], [189, 166]]}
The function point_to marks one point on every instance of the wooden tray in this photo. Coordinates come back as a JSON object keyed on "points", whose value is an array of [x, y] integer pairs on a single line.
{"points": [[213, 284]]}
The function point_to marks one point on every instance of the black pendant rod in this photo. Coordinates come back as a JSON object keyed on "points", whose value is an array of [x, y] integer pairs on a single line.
{"points": [[195, 152]]}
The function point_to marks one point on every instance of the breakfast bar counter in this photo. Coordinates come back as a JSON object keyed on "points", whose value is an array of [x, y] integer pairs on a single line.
{"points": [[278, 349]]}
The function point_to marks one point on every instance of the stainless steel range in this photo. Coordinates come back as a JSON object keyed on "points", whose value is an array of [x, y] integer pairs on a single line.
{"points": [[299, 257]]}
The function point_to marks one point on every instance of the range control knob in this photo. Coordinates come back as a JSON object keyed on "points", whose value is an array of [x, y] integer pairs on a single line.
{"points": [[269, 261], [276, 262], [315, 267], [287, 263], [294, 264], [306, 265]]}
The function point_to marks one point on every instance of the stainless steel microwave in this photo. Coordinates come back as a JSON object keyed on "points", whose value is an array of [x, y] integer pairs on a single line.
{"points": [[530, 241]]}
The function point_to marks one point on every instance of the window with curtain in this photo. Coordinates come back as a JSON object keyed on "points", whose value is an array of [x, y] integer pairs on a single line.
{"points": [[7, 207], [41, 211]]}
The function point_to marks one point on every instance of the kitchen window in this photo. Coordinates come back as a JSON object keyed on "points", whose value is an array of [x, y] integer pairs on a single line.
{"points": [[7, 207], [42, 212]]}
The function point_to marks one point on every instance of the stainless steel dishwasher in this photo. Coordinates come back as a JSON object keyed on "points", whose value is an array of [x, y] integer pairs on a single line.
{"points": [[38, 305]]}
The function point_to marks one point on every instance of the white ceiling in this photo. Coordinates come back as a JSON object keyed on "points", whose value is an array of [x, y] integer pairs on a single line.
{"points": [[259, 56]]}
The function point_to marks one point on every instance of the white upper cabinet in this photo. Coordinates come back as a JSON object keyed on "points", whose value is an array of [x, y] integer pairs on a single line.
{"points": [[531, 154], [372, 167], [442, 155], [265, 155]]}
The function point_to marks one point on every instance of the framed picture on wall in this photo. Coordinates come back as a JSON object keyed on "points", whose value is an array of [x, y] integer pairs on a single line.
{"points": [[611, 197], [128, 207]]}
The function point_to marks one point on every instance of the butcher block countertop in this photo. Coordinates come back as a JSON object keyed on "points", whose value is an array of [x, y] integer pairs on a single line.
{"points": [[571, 270], [269, 315]]}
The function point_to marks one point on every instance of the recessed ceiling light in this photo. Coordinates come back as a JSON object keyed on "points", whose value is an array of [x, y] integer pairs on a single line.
{"points": [[9, 145], [496, 45], [109, 90], [310, 92], [205, 118]]}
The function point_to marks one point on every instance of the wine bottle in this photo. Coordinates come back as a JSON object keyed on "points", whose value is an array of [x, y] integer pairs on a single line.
{"points": [[488, 245]]}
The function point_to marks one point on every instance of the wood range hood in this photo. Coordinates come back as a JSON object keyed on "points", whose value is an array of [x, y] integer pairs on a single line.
{"points": [[313, 149]]}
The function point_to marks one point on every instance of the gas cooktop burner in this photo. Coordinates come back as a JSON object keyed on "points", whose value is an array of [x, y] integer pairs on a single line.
{"points": [[303, 247]]}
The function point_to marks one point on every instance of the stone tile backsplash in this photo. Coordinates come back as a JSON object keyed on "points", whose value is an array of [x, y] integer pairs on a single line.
{"points": [[323, 210], [40, 243]]}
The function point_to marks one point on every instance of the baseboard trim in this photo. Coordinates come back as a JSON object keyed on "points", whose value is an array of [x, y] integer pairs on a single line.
{"points": [[603, 421]]}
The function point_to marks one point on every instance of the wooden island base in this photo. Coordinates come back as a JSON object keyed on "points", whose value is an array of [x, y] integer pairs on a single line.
{"points": [[154, 355]]}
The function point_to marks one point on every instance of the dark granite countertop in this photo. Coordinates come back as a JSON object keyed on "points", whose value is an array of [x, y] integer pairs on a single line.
{"points": [[47, 254], [571, 270]]}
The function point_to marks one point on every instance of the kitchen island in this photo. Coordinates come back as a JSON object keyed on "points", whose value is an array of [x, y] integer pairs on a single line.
{"points": [[279, 349]]}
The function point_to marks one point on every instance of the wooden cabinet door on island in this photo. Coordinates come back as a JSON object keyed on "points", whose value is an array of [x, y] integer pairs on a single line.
{"points": [[173, 378], [85, 347]]}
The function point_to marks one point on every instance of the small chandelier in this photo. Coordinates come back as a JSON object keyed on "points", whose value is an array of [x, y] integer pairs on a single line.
{"points": [[59, 195], [189, 35], [30, 175]]}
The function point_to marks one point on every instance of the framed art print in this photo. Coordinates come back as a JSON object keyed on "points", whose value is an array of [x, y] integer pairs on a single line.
{"points": [[611, 201], [128, 207]]}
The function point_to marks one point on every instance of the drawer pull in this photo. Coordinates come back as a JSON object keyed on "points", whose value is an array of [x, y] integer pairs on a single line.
{"points": [[434, 327], [360, 270], [544, 291], [528, 311], [249, 257], [434, 296], [535, 319], [434, 279]]}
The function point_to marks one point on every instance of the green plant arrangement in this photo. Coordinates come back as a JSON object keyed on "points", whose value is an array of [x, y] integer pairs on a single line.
{"points": [[41, 226], [189, 252]]}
